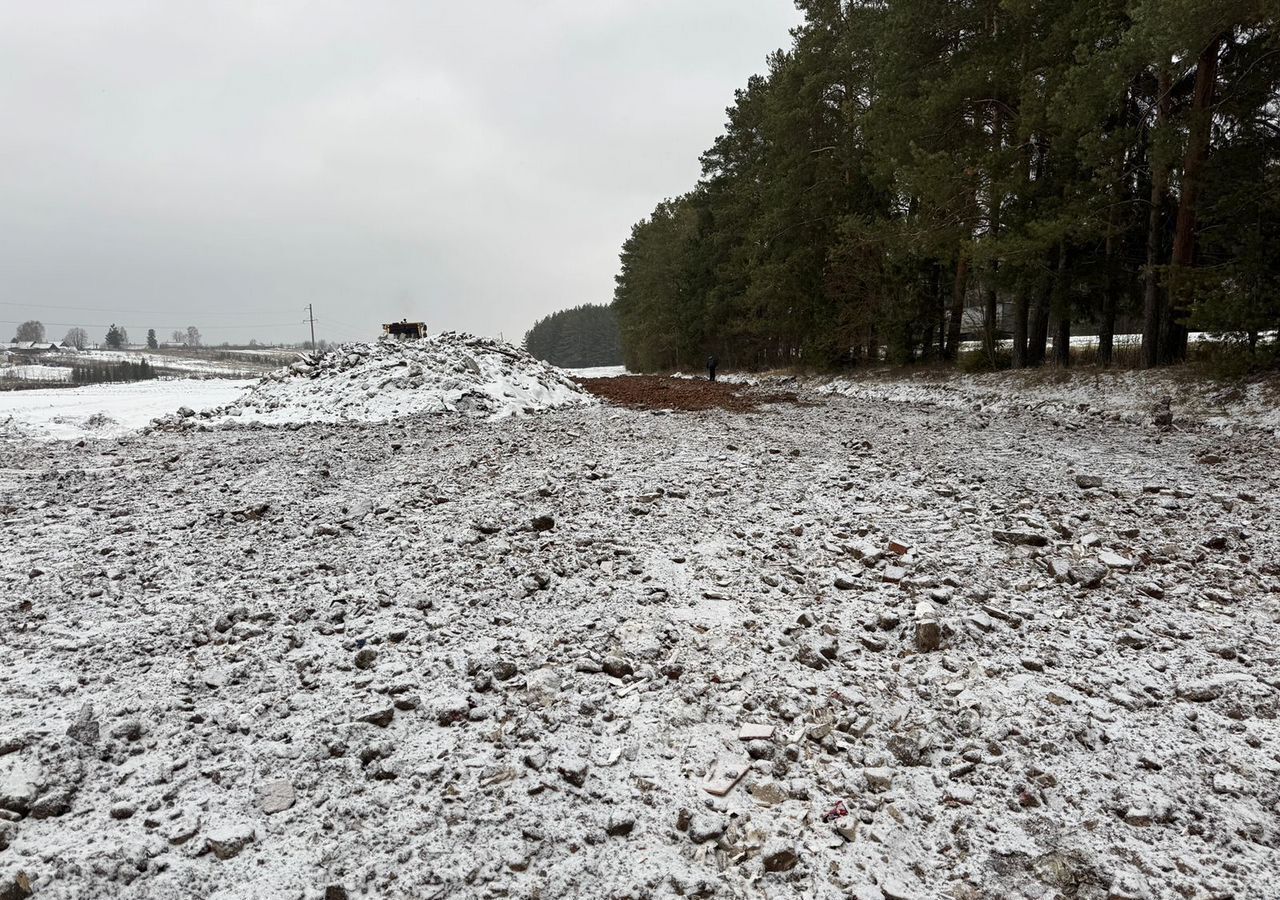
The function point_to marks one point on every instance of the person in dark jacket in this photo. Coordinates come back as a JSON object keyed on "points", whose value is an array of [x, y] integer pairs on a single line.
{"points": [[712, 362]]}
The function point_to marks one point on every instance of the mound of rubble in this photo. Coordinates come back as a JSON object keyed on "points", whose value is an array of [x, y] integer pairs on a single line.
{"points": [[449, 373]]}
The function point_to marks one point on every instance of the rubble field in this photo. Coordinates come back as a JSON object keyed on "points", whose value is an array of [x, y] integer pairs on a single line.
{"points": [[850, 647]]}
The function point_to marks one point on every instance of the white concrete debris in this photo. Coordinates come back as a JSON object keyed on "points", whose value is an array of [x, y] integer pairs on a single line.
{"points": [[371, 660], [447, 373]]}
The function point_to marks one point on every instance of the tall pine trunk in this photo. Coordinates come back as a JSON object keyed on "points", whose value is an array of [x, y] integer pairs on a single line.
{"points": [[1113, 286], [939, 312], [1062, 340], [1174, 330], [1021, 308], [1062, 309], [991, 307], [1038, 331], [1153, 311], [958, 290], [990, 311], [1110, 296]]}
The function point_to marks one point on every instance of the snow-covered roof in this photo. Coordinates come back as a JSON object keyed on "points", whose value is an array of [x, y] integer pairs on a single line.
{"points": [[33, 345]]}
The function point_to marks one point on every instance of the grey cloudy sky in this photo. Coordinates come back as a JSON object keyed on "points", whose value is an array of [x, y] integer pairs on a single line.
{"points": [[472, 164]]}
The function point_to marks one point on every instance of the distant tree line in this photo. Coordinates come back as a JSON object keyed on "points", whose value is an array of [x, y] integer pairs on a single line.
{"points": [[1046, 167], [577, 338], [111, 372], [116, 338]]}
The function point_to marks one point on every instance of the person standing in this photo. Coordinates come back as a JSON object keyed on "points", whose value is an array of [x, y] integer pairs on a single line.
{"points": [[712, 362]]}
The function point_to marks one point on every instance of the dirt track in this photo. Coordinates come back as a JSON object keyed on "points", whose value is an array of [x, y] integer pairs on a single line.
{"points": [[691, 394]]}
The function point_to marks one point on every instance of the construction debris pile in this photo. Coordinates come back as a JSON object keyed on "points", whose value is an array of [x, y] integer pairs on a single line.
{"points": [[448, 373]]}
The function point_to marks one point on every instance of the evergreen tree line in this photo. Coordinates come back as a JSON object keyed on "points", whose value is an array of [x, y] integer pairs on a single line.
{"points": [[577, 338], [111, 372], [912, 173]]}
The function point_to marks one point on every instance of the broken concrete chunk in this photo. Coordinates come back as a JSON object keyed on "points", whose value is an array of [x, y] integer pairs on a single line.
{"points": [[16, 886], [620, 824], [1088, 574], [1020, 537], [1200, 691], [617, 666], [451, 710], [928, 635], [574, 771], [275, 796], [878, 778], [928, 631], [779, 855], [707, 827], [727, 772], [230, 840], [380, 717], [85, 728], [1114, 560], [754, 732]]}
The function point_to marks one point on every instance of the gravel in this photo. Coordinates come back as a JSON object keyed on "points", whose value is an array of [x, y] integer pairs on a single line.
{"points": [[187, 707]]}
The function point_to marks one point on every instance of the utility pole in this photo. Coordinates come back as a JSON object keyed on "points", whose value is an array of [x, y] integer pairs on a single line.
{"points": [[311, 316]]}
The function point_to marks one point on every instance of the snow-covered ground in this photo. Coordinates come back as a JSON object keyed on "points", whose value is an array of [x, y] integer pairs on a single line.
{"points": [[1130, 395], [35, 372], [1119, 341], [108, 410], [197, 363], [598, 372], [918, 650], [200, 363]]}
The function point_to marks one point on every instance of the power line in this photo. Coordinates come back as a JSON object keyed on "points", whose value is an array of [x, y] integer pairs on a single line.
{"points": [[159, 327], [101, 309]]}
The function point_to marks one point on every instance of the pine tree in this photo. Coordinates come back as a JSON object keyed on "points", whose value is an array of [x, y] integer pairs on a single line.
{"points": [[582, 337], [1074, 165]]}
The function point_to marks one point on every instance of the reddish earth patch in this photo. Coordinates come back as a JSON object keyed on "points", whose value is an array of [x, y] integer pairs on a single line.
{"points": [[691, 394]]}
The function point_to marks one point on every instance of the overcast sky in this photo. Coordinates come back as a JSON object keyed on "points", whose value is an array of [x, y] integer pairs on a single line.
{"points": [[474, 165]]}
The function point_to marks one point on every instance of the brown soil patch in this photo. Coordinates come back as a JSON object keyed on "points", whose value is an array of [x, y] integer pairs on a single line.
{"points": [[691, 394]]}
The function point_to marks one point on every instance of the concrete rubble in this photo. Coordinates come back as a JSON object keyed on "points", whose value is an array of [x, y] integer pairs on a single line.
{"points": [[843, 648]]}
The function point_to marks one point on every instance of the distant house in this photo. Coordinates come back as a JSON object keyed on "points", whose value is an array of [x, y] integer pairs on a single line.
{"points": [[33, 347]]}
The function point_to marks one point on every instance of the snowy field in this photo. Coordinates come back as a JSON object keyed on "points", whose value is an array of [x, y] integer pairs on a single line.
{"points": [[35, 372], [598, 372], [107, 410], [198, 363], [863, 646], [206, 363]]}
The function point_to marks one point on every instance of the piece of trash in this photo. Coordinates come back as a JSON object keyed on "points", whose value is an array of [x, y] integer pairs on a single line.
{"points": [[752, 731], [726, 773], [836, 812]]}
